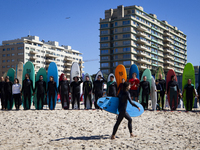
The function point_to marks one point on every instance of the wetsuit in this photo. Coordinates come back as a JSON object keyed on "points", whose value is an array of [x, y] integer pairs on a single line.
{"points": [[173, 88], [162, 92], [145, 92], [159, 89], [27, 86], [76, 92], [40, 85], [8, 94], [198, 91], [51, 88], [2, 84], [64, 90], [16, 95], [189, 96], [125, 95], [98, 90], [87, 89], [112, 88]]}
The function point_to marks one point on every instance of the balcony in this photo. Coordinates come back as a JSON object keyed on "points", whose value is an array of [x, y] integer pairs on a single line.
{"points": [[167, 39], [179, 66], [168, 45], [141, 34], [141, 28], [142, 67], [167, 56], [167, 34], [80, 62], [142, 41], [35, 63], [141, 54], [168, 67], [67, 69], [33, 51], [142, 47], [68, 59], [67, 64], [81, 66], [168, 62], [168, 51], [51, 55], [142, 61], [33, 57], [50, 60]]}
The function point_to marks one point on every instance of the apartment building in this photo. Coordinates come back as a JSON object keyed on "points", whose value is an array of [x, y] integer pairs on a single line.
{"points": [[40, 53], [128, 35]]}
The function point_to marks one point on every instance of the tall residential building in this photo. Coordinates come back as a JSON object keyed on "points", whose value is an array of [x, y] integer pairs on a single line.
{"points": [[128, 35], [40, 53]]}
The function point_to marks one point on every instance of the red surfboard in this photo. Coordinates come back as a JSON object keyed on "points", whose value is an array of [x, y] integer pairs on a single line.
{"points": [[169, 74], [65, 101]]}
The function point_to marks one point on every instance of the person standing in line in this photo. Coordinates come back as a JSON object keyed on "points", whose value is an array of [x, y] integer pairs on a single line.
{"points": [[112, 87], [162, 82], [2, 84], [145, 85], [16, 93], [135, 83], [8, 92]]}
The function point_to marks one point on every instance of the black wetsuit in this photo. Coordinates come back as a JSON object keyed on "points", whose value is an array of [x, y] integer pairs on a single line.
{"points": [[2, 84], [76, 92], [122, 111], [145, 92], [112, 89], [87, 89], [98, 90], [173, 88], [41, 90], [8, 94], [27, 86], [198, 91], [162, 92], [189, 96], [51, 88], [64, 90]]}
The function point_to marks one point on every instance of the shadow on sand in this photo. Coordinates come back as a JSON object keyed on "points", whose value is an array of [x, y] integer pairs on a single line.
{"points": [[96, 137]]}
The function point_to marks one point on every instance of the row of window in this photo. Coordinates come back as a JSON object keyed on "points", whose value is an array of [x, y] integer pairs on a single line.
{"points": [[8, 49], [4, 55]]}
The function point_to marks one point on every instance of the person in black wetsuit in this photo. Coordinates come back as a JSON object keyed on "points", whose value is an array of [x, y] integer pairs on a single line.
{"points": [[27, 86], [51, 88], [64, 90], [121, 86], [124, 97], [75, 85], [159, 88], [112, 87], [8, 92], [190, 94], [162, 82], [40, 85], [2, 84], [173, 88], [87, 90], [145, 92], [98, 89]]}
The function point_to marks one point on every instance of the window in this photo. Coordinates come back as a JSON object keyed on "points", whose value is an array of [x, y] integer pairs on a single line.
{"points": [[116, 56], [133, 11], [116, 37], [104, 58], [8, 54], [4, 49], [105, 71], [104, 39], [12, 60], [3, 55], [43, 51], [126, 36], [104, 45], [58, 59], [126, 49], [126, 63], [8, 49], [27, 48], [126, 56], [116, 50], [104, 32], [12, 49], [126, 22], [37, 61], [12, 66], [39, 45], [126, 42], [104, 25], [8, 66], [115, 24], [36, 56], [19, 48], [8, 60], [13, 54], [20, 54], [126, 29], [104, 51], [3, 66], [116, 31], [116, 43], [3, 61], [104, 64]]}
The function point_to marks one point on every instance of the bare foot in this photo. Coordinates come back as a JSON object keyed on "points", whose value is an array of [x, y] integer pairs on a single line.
{"points": [[132, 135], [112, 137]]}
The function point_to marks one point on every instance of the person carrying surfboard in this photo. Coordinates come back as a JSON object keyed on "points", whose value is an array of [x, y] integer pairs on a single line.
{"points": [[40, 85], [64, 90], [135, 82], [162, 82], [112, 87], [87, 90], [51, 90], [75, 85], [27, 85], [98, 89], [8, 92], [190, 94], [123, 99], [145, 85], [16, 87], [173, 88], [2, 84]]}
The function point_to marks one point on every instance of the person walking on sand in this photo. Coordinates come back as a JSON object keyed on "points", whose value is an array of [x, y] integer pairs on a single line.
{"points": [[135, 83], [16, 87], [190, 94], [2, 84], [123, 99], [98, 89], [112, 87], [75, 85], [145, 91]]}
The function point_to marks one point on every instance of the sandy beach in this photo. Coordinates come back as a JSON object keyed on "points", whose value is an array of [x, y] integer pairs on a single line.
{"points": [[91, 129]]}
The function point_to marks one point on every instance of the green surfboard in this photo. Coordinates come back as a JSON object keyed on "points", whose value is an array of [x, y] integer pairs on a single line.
{"points": [[11, 74], [29, 68], [146, 73], [188, 73], [42, 72], [160, 71]]}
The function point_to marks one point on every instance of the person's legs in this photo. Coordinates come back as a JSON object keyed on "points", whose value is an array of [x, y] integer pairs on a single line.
{"points": [[85, 99], [90, 99], [73, 102], [95, 102], [147, 99], [38, 101], [18, 100], [53, 99], [42, 100], [29, 100], [143, 104], [67, 99], [127, 116], [119, 119], [63, 98], [25, 98]]}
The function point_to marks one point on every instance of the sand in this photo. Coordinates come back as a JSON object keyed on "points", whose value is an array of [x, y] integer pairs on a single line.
{"points": [[91, 129]]}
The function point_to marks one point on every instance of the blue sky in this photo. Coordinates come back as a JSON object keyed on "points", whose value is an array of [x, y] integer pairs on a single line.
{"points": [[46, 19]]}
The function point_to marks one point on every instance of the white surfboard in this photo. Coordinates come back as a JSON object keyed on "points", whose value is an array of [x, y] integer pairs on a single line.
{"points": [[75, 71], [87, 100], [153, 94]]}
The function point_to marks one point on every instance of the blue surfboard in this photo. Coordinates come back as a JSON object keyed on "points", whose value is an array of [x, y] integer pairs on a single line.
{"points": [[134, 69], [52, 71], [111, 104]]}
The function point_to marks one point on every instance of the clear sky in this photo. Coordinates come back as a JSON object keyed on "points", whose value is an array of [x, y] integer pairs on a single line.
{"points": [[46, 19]]}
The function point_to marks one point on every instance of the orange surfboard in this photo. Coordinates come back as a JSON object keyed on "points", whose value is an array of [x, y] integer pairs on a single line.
{"points": [[120, 73]]}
